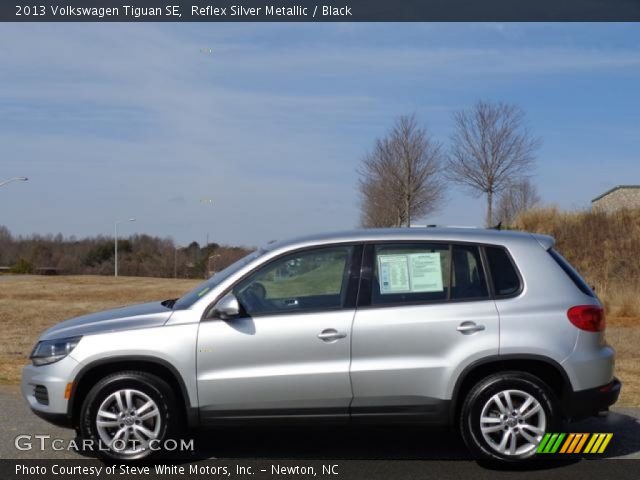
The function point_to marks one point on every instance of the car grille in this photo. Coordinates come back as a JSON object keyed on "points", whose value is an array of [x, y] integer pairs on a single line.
{"points": [[41, 394]]}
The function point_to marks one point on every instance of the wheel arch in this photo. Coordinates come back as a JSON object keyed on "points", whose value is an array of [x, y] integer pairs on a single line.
{"points": [[93, 372], [546, 369]]}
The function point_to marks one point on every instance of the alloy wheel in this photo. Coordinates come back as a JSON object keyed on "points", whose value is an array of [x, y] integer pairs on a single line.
{"points": [[512, 423], [127, 421]]}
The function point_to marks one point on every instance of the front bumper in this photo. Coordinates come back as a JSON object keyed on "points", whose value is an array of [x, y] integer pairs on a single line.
{"points": [[58, 419], [584, 403], [53, 380]]}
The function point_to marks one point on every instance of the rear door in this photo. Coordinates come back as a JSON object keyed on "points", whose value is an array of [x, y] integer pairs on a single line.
{"points": [[424, 313]]}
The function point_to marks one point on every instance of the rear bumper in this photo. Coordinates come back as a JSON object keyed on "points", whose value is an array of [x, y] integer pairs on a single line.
{"points": [[585, 403]]}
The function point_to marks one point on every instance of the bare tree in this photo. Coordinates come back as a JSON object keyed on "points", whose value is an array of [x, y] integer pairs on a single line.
{"points": [[401, 178], [517, 198], [491, 149]]}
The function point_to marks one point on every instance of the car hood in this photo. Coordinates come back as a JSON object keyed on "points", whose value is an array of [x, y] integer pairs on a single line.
{"points": [[144, 315]]}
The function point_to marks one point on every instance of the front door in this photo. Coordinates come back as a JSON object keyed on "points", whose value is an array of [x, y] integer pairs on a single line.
{"points": [[289, 352]]}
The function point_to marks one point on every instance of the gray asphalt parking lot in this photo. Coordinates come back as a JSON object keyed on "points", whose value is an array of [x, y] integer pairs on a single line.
{"points": [[389, 447]]}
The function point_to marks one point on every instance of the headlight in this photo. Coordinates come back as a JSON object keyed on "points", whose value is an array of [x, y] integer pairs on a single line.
{"points": [[49, 351]]}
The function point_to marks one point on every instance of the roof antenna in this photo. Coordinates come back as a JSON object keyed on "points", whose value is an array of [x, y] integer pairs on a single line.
{"points": [[498, 226]]}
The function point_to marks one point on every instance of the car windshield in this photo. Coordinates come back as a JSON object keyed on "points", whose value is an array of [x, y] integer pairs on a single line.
{"points": [[194, 295]]}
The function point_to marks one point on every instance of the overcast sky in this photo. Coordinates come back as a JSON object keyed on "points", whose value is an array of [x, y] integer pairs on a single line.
{"points": [[110, 121]]}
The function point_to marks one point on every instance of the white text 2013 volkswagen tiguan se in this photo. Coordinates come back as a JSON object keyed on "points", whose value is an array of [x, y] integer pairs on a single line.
{"points": [[492, 333]]}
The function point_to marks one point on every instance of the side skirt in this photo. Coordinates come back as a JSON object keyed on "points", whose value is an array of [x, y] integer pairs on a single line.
{"points": [[432, 413]]}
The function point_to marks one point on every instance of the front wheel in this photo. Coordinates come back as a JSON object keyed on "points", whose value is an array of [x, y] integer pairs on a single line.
{"points": [[505, 416], [128, 415]]}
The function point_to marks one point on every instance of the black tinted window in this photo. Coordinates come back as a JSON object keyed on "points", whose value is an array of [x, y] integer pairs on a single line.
{"points": [[572, 273], [503, 274], [467, 279]]}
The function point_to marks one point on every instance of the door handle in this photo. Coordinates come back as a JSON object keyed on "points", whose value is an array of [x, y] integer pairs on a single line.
{"points": [[467, 328], [331, 335]]}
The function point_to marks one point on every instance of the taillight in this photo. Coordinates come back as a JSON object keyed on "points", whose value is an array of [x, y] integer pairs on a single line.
{"points": [[587, 317]]}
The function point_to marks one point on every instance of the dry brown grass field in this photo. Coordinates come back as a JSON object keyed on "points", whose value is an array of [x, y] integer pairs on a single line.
{"points": [[602, 246], [29, 305]]}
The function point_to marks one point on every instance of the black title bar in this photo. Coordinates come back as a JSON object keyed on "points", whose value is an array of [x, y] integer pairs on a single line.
{"points": [[320, 11]]}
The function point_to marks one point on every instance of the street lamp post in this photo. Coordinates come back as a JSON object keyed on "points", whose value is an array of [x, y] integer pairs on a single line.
{"points": [[206, 201], [115, 241], [14, 179]]}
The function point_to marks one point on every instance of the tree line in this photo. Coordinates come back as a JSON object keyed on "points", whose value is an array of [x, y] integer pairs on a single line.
{"points": [[138, 255], [491, 153], [403, 178]]}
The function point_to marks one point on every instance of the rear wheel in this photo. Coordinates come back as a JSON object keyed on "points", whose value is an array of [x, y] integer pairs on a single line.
{"points": [[128, 415], [506, 415]]}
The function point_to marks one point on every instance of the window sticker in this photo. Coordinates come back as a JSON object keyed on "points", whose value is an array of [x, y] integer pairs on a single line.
{"points": [[425, 272], [411, 273], [394, 274]]}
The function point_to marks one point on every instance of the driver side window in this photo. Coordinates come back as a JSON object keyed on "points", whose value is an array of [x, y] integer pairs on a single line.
{"points": [[309, 280]]}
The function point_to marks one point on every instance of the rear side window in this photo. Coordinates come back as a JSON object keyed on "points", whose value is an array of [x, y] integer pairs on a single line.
{"points": [[572, 273], [505, 279], [424, 273], [410, 273]]}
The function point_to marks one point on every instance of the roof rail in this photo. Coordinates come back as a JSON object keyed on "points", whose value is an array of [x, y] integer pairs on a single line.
{"points": [[433, 225]]}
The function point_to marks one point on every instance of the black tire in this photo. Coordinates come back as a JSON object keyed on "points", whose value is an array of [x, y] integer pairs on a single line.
{"points": [[146, 384], [480, 396]]}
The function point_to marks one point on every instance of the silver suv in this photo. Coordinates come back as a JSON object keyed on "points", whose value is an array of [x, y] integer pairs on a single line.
{"points": [[492, 333]]}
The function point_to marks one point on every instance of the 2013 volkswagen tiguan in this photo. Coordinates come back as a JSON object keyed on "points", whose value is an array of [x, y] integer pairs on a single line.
{"points": [[490, 332]]}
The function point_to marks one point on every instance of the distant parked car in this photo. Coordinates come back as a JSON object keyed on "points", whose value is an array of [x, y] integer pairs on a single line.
{"points": [[492, 333]]}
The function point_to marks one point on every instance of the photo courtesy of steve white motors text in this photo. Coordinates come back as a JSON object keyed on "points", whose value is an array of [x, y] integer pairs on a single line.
{"points": [[162, 469]]}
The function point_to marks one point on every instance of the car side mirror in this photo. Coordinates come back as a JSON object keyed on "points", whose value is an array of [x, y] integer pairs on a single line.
{"points": [[227, 307]]}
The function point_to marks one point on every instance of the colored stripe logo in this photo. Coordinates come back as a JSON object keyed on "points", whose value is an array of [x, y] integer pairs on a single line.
{"points": [[574, 443]]}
